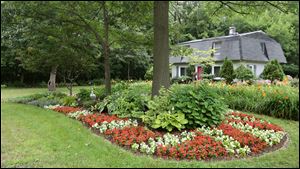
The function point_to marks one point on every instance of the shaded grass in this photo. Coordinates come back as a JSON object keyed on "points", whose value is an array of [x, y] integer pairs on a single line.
{"points": [[8, 93], [35, 137]]}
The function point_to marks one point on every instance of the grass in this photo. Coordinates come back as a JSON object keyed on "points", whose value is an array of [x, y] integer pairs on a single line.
{"points": [[7, 93], [36, 137]]}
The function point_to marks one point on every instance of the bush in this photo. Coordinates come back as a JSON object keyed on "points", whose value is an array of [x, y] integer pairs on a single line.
{"points": [[126, 100], [243, 73], [182, 80], [199, 104], [149, 73], [161, 113], [291, 69], [98, 81], [294, 82], [68, 101], [272, 100], [272, 71], [227, 71], [41, 102]]}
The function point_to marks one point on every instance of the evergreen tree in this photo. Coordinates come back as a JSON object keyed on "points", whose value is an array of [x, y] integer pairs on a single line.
{"points": [[243, 73], [227, 71], [272, 71]]}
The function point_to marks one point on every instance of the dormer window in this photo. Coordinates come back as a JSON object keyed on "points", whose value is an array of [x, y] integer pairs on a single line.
{"points": [[264, 49], [217, 47]]}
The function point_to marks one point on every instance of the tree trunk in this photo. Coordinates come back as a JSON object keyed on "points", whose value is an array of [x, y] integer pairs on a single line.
{"points": [[22, 78], [161, 47], [51, 82], [70, 88], [105, 46], [128, 70]]}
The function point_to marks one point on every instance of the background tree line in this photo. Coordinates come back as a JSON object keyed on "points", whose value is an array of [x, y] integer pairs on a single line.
{"points": [[80, 41]]}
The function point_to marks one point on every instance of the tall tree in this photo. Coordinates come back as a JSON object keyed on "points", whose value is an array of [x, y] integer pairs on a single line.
{"points": [[161, 75]]}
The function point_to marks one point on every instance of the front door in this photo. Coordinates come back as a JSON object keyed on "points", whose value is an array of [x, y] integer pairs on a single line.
{"points": [[199, 72]]}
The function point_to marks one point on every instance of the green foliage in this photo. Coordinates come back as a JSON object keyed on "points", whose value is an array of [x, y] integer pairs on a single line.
{"points": [[44, 101], [243, 73], [127, 100], [227, 71], [291, 69], [294, 82], [272, 71], [276, 101], [149, 73], [199, 104], [161, 113], [169, 121], [182, 79], [68, 101], [83, 94]]}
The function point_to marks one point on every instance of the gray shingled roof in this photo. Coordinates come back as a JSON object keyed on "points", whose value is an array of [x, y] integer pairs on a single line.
{"points": [[241, 47]]}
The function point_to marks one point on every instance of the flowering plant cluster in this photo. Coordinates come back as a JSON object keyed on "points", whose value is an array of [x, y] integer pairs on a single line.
{"points": [[79, 114], [245, 139], [51, 106], [231, 145], [119, 124], [239, 134], [201, 147], [271, 137], [92, 119], [66, 109], [252, 121]]}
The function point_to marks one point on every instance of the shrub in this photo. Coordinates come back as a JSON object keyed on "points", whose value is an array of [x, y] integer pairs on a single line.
{"points": [[182, 79], [41, 102], [243, 73], [149, 73], [272, 100], [199, 104], [291, 69], [227, 71], [68, 101], [126, 100], [83, 94], [272, 71], [294, 82], [170, 121]]}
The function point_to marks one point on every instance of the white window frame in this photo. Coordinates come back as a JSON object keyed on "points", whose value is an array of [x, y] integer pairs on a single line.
{"points": [[213, 69], [251, 67], [179, 71]]}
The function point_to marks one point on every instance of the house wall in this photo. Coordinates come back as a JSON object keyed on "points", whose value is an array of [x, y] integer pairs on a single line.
{"points": [[175, 68], [259, 66]]}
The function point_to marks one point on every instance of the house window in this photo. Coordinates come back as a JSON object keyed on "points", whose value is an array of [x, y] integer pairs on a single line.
{"points": [[264, 49], [216, 70], [252, 68], [217, 47], [182, 71]]}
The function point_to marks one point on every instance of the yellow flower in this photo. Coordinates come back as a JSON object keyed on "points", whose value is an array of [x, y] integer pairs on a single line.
{"points": [[286, 97], [263, 94]]}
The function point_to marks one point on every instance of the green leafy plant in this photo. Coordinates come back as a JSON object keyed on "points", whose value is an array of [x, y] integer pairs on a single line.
{"points": [[227, 71], [169, 121], [68, 101], [272, 71], [243, 73], [199, 104]]}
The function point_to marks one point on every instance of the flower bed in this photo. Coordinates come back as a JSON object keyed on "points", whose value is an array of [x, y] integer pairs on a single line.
{"points": [[238, 135]]}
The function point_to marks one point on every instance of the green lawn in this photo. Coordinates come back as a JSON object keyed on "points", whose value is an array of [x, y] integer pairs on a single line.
{"points": [[36, 137], [7, 93]]}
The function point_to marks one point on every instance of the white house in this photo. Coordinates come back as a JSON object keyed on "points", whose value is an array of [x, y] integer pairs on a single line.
{"points": [[253, 49]]}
